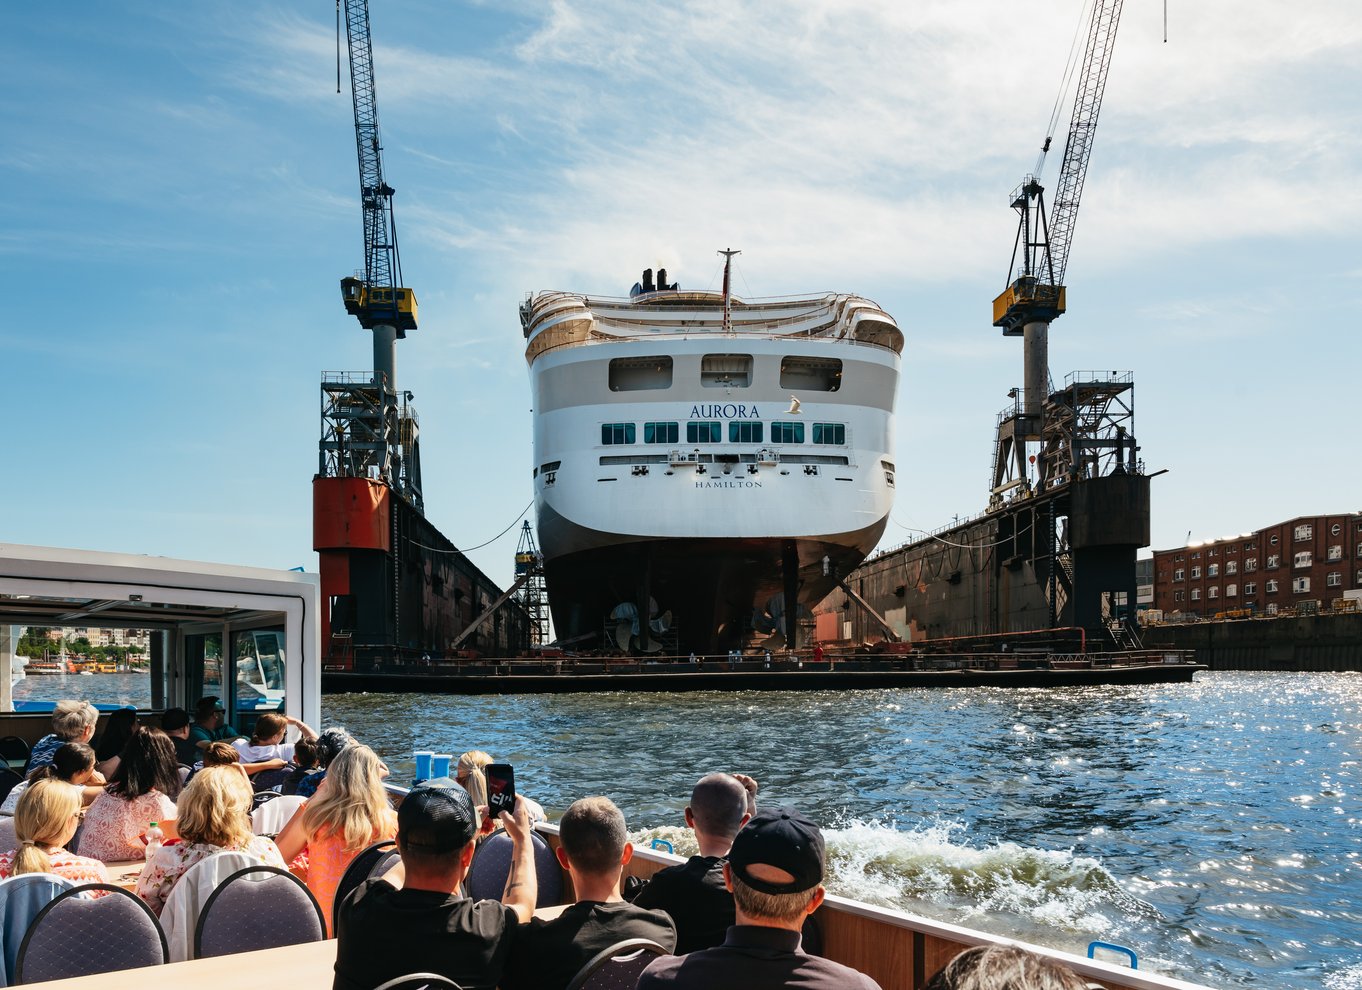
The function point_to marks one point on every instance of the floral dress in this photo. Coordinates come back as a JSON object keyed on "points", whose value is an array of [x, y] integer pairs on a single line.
{"points": [[171, 862], [77, 869], [114, 826]]}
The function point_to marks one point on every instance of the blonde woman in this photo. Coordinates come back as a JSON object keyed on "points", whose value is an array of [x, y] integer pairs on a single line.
{"points": [[44, 822], [214, 817], [469, 773], [349, 811]]}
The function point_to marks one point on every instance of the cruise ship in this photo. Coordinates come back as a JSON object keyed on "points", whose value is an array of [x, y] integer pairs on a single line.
{"points": [[706, 467]]}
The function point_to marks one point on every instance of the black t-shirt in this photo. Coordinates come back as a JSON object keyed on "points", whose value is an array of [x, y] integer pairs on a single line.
{"points": [[384, 932], [187, 752], [548, 954], [693, 893]]}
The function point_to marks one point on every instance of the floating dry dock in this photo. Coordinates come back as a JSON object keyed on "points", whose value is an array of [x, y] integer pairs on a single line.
{"points": [[577, 674]]}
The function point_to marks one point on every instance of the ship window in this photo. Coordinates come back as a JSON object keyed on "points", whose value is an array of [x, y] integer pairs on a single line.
{"points": [[726, 370], [787, 433], [744, 432], [835, 433], [635, 374], [660, 433], [617, 433], [702, 433], [811, 374]]}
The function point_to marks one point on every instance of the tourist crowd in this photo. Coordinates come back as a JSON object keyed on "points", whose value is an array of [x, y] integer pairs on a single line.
{"points": [[737, 914]]}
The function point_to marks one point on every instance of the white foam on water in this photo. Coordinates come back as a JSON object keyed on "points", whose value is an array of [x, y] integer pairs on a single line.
{"points": [[1345, 979]]}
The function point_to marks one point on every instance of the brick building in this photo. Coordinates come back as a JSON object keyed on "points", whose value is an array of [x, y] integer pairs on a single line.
{"points": [[1307, 562]]}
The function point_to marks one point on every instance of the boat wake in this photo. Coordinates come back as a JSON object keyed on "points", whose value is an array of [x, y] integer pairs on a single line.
{"points": [[1046, 896]]}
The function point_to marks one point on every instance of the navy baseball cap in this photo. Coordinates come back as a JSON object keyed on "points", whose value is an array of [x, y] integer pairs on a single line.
{"points": [[785, 839], [437, 816]]}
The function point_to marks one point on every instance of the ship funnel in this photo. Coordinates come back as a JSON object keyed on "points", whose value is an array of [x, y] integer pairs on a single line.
{"points": [[648, 280], [662, 279]]}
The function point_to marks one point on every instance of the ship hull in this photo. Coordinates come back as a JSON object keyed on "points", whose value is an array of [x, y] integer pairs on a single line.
{"points": [[704, 595]]}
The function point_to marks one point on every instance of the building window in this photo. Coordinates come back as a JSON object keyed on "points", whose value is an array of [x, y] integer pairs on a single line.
{"points": [[660, 433], [1250, 564], [1359, 578], [744, 432], [1305, 531], [1336, 552], [1304, 559], [1212, 570], [1177, 559], [1177, 596], [1250, 546], [1179, 574], [1196, 572], [1196, 594], [1231, 567], [1272, 539], [1272, 587], [787, 432], [1197, 555], [617, 433], [1274, 560], [1334, 580], [1214, 592], [1213, 552], [702, 433], [835, 433], [1300, 585], [1335, 529], [1231, 591], [1250, 588]]}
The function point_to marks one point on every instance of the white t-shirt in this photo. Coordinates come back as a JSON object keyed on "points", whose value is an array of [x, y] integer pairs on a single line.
{"points": [[259, 754]]}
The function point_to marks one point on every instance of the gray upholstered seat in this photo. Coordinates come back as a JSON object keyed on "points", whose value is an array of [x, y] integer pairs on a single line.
{"points": [[419, 981], [618, 967], [486, 878], [22, 898], [76, 935], [259, 907], [373, 861]]}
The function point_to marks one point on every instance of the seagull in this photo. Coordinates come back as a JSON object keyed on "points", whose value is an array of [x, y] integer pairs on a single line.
{"points": [[794, 407]]}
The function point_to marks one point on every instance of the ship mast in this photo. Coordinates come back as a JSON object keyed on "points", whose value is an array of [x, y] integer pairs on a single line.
{"points": [[728, 264]]}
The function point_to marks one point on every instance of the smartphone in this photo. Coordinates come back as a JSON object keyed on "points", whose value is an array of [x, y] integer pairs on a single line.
{"points": [[500, 788]]}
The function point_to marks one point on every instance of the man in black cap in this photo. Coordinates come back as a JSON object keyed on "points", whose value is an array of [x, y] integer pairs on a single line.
{"points": [[694, 893], [209, 724], [175, 724], [775, 871], [413, 920]]}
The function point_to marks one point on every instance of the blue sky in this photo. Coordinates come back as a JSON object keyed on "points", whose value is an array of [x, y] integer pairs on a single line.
{"points": [[180, 202]]}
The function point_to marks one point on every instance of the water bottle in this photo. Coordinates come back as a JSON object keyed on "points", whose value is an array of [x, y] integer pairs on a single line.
{"points": [[155, 839]]}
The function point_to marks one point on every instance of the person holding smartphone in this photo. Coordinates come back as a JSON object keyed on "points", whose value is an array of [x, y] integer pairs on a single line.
{"points": [[413, 918]]}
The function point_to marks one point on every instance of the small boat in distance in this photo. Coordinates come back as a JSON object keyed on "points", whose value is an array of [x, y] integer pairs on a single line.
{"points": [[706, 467]]}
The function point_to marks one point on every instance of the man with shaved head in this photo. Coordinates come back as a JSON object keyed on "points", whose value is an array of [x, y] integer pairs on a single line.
{"points": [[694, 893]]}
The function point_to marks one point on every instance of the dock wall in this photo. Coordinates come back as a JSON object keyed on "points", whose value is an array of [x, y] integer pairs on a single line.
{"points": [[1303, 642]]}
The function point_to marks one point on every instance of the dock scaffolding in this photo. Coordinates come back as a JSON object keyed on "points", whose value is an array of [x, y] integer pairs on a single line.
{"points": [[367, 433], [532, 595]]}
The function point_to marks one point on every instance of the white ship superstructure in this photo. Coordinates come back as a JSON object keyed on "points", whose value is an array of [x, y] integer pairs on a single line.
{"points": [[699, 465]]}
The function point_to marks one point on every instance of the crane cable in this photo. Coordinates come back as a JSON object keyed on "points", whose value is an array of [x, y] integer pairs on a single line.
{"points": [[338, 60], [467, 550], [1064, 85]]}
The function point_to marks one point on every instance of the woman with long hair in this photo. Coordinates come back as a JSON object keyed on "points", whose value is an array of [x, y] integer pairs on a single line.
{"points": [[470, 774], [44, 822], [117, 731], [214, 817], [73, 763], [142, 790], [349, 811]]}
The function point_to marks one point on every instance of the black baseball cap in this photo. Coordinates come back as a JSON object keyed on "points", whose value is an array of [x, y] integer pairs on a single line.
{"points": [[785, 839], [437, 816]]}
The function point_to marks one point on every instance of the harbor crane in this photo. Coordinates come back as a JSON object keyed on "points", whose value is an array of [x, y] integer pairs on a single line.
{"points": [[1035, 296], [373, 434]]}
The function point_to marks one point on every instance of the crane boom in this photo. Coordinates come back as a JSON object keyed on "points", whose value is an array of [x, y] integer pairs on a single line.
{"points": [[377, 300], [1041, 254], [1092, 84]]}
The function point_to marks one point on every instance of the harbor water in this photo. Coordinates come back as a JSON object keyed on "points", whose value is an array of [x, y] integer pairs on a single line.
{"points": [[1213, 827]]}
